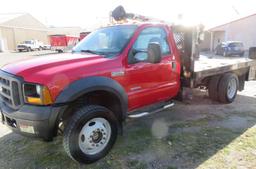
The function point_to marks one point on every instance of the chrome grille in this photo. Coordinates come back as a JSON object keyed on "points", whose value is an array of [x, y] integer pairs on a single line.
{"points": [[10, 90]]}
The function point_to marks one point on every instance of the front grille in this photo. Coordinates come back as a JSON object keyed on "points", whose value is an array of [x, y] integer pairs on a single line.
{"points": [[10, 90]]}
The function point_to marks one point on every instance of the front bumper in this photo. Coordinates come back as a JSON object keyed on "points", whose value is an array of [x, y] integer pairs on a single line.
{"points": [[22, 48], [30, 120], [235, 52]]}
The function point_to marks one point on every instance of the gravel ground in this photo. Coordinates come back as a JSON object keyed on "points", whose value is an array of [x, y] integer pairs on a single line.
{"points": [[197, 133]]}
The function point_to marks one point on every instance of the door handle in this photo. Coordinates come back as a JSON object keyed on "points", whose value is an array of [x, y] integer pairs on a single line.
{"points": [[174, 65]]}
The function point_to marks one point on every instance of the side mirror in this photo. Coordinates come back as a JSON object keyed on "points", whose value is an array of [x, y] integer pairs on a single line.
{"points": [[154, 53]]}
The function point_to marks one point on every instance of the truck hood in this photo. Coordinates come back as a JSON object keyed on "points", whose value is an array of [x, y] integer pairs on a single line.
{"points": [[59, 70], [52, 64], [24, 44]]}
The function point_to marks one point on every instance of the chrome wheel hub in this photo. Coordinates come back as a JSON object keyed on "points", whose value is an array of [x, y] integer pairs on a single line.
{"points": [[94, 136], [232, 87]]}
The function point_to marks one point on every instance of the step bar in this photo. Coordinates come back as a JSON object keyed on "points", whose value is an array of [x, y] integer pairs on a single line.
{"points": [[143, 114]]}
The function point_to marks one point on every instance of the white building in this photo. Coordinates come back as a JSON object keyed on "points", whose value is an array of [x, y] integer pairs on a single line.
{"points": [[18, 27], [243, 29]]}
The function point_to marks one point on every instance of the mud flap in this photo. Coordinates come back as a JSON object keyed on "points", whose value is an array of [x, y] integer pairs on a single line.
{"points": [[252, 73]]}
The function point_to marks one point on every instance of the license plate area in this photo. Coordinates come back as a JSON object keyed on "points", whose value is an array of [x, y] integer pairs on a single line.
{"points": [[27, 129]]}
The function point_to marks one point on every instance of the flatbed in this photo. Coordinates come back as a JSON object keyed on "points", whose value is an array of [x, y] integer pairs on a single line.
{"points": [[206, 68], [209, 65]]}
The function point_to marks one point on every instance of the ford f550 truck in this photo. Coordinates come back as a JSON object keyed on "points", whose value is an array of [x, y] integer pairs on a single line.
{"points": [[114, 73]]}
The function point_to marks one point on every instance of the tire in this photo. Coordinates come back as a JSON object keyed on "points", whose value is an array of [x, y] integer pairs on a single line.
{"points": [[252, 52], [224, 88], [29, 50], [213, 88], [87, 119], [20, 50]]}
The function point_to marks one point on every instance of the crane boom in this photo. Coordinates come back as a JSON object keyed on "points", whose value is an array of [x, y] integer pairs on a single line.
{"points": [[119, 15]]}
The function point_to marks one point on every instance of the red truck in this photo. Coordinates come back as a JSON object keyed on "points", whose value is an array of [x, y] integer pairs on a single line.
{"points": [[83, 35], [63, 43], [117, 72]]}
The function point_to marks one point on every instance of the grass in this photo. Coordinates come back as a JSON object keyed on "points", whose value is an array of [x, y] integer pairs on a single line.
{"points": [[208, 147], [240, 153]]}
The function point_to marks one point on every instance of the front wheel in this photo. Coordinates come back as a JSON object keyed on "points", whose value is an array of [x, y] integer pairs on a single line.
{"points": [[90, 134]]}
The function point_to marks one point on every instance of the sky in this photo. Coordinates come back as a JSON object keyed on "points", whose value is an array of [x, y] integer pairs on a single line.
{"points": [[92, 13]]}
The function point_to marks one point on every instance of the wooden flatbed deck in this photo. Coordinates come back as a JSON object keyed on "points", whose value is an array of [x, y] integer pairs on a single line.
{"points": [[209, 65]]}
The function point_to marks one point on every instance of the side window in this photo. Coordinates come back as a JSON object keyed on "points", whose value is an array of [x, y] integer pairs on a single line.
{"points": [[150, 35]]}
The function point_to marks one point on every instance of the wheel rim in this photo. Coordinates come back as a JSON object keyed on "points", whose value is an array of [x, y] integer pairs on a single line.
{"points": [[94, 136], [231, 88]]}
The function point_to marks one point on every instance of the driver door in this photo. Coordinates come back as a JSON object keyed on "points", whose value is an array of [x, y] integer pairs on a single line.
{"points": [[148, 82]]}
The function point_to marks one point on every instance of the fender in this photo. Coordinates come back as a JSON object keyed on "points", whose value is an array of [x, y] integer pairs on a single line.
{"points": [[94, 83]]}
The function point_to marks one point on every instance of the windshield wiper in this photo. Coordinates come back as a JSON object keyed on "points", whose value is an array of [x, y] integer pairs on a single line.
{"points": [[89, 51]]}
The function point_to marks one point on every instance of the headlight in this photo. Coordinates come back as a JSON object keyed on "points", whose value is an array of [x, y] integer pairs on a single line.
{"points": [[36, 94]]}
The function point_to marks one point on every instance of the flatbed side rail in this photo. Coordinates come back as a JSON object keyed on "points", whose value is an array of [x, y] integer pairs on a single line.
{"points": [[239, 68]]}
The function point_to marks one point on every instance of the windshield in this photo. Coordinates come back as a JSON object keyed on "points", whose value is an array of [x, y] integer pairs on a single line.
{"points": [[27, 42], [236, 44], [108, 41]]}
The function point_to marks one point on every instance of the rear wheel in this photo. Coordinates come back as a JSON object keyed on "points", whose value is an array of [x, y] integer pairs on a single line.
{"points": [[90, 134], [60, 51], [213, 88], [228, 87]]}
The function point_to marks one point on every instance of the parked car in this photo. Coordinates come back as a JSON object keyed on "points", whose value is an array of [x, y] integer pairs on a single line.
{"points": [[230, 48], [29, 45]]}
